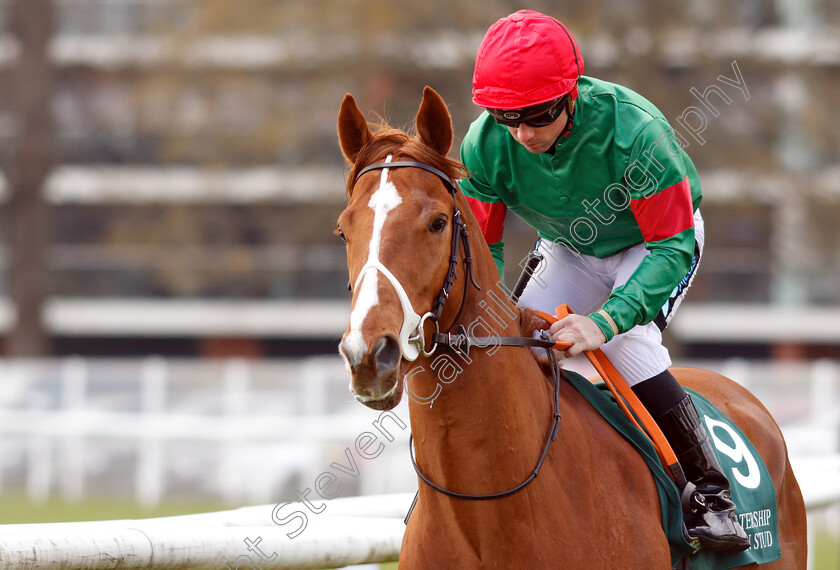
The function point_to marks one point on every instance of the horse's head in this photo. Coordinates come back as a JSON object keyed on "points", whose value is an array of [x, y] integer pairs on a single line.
{"points": [[398, 226]]}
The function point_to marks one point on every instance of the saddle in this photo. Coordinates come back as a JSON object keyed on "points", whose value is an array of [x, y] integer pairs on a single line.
{"points": [[752, 489]]}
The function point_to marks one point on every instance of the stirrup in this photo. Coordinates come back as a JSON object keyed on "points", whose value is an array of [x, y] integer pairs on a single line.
{"points": [[690, 499]]}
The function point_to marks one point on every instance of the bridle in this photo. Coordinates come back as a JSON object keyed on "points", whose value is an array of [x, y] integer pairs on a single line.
{"points": [[412, 339]]}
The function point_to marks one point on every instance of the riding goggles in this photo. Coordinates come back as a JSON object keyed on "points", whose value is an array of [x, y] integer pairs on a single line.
{"points": [[536, 116]]}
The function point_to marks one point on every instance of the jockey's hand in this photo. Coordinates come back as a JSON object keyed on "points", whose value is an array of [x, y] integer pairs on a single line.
{"points": [[579, 330]]}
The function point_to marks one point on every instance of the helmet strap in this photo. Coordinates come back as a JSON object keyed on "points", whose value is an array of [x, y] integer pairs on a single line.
{"points": [[570, 118]]}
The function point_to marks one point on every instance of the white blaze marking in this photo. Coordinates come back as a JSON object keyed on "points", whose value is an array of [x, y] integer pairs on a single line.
{"points": [[385, 199]]}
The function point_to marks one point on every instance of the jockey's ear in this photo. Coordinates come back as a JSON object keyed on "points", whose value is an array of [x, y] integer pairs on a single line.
{"points": [[353, 131], [434, 124]]}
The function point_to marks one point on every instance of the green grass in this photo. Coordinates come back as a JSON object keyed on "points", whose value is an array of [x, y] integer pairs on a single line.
{"points": [[826, 551], [16, 509]]}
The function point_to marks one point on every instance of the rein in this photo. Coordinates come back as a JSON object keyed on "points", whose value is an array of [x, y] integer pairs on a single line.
{"points": [[412, 338], [556, 373]]}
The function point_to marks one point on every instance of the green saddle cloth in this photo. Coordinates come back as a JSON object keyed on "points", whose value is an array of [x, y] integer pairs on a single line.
{"points": [[752, 488]]}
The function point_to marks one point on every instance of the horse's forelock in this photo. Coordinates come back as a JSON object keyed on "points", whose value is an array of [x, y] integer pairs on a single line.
{"points": [[400, 145]]}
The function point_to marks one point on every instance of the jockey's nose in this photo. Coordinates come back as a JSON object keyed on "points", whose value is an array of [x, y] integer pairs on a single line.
{"points": [[523, 133]]}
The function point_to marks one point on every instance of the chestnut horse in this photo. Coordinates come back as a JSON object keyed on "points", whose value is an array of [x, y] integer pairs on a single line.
{"points": [[481, 421]]}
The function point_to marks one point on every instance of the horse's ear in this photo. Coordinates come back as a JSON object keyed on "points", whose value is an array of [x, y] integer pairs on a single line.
{"points": [[434, 124], [353, 131]]}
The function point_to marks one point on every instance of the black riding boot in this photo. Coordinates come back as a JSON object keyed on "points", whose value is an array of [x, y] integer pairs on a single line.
{"points": [[710, 516]]}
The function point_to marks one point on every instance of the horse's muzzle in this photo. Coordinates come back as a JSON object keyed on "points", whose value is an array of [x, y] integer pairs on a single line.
{"points": [[374, 374]]}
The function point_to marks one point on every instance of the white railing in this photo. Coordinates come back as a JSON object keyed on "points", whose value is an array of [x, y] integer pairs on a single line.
{"points": [[358, 530], [236, 431], [251, 432], [351, 531]]}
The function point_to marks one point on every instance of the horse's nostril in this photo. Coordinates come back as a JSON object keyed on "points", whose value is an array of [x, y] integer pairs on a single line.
{"points": [[342, 350], [387, 354]]}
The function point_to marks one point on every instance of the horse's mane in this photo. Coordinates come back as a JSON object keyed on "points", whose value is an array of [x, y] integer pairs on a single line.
{"points": [[387, 140], [529, 322]]}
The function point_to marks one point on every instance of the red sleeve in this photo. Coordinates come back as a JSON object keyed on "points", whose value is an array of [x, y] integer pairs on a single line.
{"points": [[491, 219], [666, 213]]}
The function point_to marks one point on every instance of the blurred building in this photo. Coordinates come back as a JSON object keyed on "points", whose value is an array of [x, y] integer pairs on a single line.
{"points": [[197, 177]]}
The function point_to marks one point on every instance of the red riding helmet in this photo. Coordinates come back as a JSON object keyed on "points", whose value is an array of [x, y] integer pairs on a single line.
{"points": [[525, 59]]}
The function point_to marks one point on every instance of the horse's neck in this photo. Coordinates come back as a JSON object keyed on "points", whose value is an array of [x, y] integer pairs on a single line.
{"points": [[477, 416]]}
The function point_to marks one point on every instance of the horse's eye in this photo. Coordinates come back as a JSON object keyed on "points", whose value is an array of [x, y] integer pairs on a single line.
{"points": [[340, 234], [438, 225]]}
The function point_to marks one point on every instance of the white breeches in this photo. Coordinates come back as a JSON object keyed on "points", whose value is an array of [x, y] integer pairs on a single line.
{"points": [[584, 283]]}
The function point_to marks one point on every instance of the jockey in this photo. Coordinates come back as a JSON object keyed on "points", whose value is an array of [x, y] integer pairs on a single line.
{"points": [[598, 172]]}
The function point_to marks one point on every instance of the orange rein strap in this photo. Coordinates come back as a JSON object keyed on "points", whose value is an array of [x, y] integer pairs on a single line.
{"points": [[623, 393]]}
